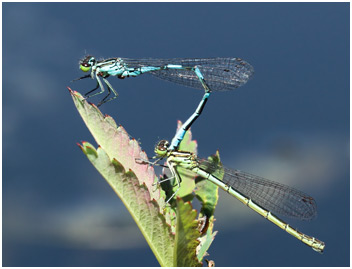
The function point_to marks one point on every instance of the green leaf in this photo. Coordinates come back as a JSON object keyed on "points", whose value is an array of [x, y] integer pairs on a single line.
{"points": [[117, 144], [186, 235], [132, 182], [206, 239], [207, 192]]}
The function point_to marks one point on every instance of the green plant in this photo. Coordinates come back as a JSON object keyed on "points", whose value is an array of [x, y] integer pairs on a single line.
{"points": [[176, 233]]}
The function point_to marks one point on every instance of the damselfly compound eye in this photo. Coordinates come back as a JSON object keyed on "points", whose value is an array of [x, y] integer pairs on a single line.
{"points": [[161, 148], [86, 64]]}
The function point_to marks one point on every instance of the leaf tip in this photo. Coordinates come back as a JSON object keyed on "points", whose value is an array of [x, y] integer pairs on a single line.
{"points": [[74, 93], [123, 131], [80, 146]]}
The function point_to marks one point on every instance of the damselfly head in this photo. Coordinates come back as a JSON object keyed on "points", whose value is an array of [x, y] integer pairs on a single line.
{"points": [[86, 63], [161, 148]]}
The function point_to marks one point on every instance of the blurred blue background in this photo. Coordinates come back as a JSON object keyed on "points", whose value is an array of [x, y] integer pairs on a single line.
{"points": [[290, 123]]}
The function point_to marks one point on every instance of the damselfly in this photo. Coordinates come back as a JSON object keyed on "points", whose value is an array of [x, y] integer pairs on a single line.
{"points": [[263, 196], [212, 74], [218, 74]]}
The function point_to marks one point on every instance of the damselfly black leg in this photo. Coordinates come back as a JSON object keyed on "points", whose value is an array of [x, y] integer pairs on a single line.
{"points": [[110, 89], [86, 76], [103, 100], [87, 94]]}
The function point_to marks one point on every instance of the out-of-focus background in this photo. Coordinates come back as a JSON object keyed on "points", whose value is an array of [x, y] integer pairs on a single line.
{"points": [[290, 123]]}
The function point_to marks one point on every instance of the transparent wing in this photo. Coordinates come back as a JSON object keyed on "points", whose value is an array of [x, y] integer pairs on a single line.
{"points": [[221, 74], [274, 197]]}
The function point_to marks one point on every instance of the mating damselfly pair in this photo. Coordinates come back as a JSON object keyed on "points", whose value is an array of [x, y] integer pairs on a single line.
{"points": [[218, 74]]}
